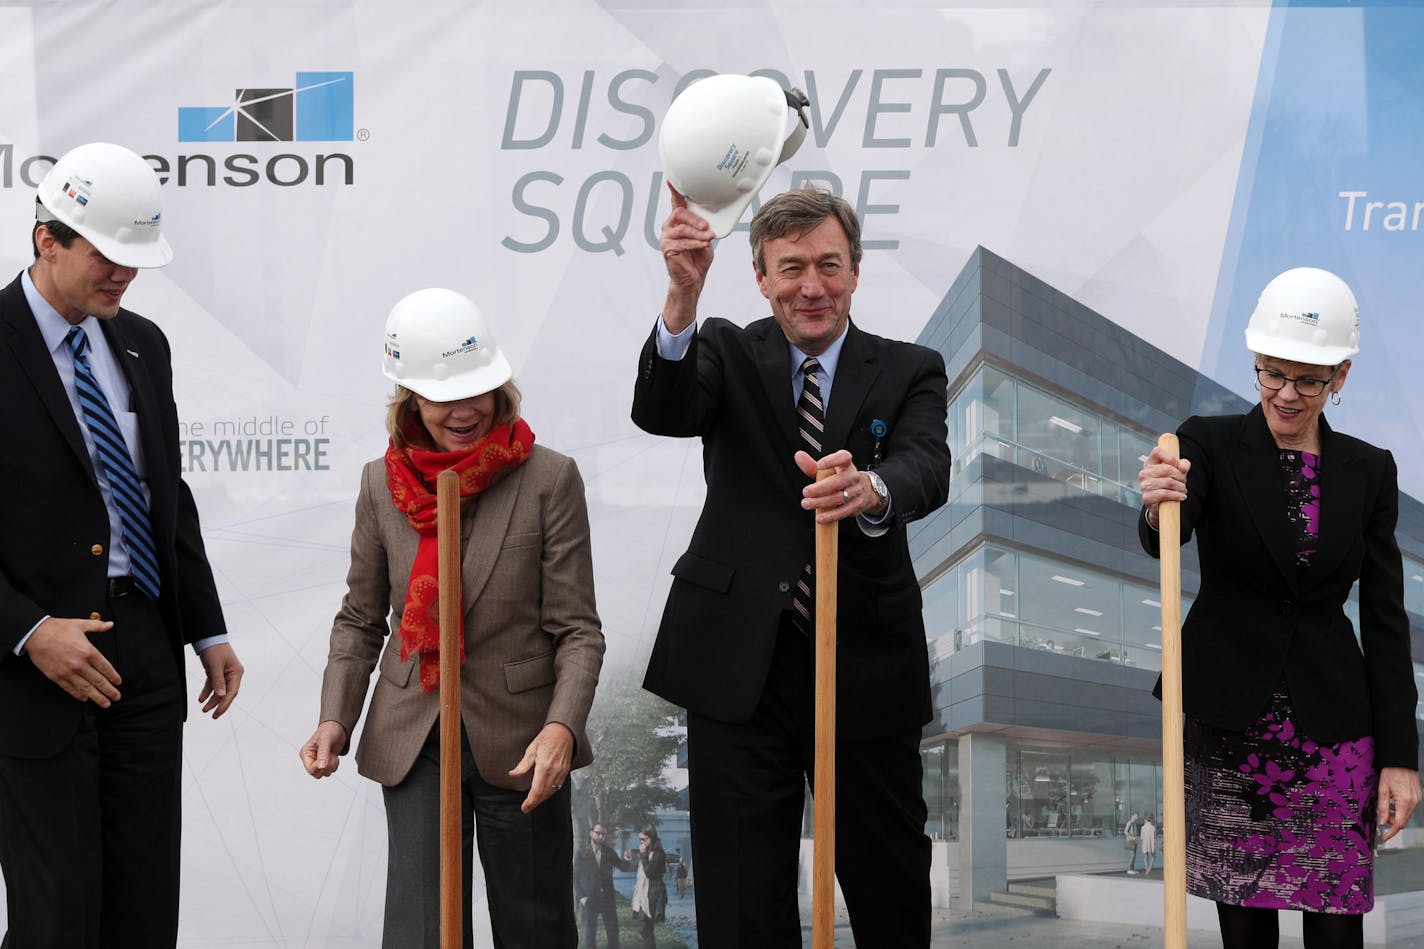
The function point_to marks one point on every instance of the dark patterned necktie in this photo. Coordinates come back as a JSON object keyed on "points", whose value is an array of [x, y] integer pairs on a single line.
{"points": [[118, 467], [811, 423]]}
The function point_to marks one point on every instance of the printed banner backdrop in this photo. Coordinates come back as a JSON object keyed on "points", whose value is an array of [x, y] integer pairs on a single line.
{"points": [[321, 160]]}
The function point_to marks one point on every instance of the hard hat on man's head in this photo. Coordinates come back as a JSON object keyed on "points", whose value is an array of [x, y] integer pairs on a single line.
{"points": [[111, 198], [722, 137], [1306, 315], [440, 346]]}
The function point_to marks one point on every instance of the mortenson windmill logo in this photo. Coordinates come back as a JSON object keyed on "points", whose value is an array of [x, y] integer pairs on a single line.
{"points": [[317, 108]]}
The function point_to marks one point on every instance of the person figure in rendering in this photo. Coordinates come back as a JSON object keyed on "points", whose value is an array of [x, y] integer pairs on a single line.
{"points": [[1131, 839], [650, 894], [593, 887], [1149, 844], [802, 391], [1299, 740], [532, 645], [103, 575]]}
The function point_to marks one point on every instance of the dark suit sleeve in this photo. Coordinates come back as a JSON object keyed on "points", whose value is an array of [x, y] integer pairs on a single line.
{"points": [[1384, 632], [199, 609], [677, 397], [18, 614], [198, 605], [1191, 445], [916, 461]]}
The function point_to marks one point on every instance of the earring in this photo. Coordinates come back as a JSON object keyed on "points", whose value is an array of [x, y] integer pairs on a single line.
{"points": [[1334, 398], [1257, 385]]}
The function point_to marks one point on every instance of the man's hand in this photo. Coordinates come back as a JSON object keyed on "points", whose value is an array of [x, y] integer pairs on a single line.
{"points": [[1398, 797], [549, 754], [686, 243], [60, 648], [844, 494], [321, 755], [224, 678]]}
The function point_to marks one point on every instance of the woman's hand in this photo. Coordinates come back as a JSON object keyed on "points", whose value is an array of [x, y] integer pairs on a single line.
{"points": [[321, 755], [1398, 797], [549, 754], [1163, 478]]}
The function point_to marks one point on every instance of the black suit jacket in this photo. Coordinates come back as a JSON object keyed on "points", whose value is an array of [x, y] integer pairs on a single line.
{"points": [[1258, 616], [733, 388], [54, 528], [594, 880]]}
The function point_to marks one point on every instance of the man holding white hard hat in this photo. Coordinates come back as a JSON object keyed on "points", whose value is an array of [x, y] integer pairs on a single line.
{"points": [[773, 402], [103, 576]]}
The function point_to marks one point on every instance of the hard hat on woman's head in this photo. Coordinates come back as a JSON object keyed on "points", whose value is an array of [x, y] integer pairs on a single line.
{"points": [[111, 198], [440, 346], [722, 137], [1306, 315]]}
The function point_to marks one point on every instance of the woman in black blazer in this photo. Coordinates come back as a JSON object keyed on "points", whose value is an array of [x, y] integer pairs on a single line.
{"points": [[1298, 738]]}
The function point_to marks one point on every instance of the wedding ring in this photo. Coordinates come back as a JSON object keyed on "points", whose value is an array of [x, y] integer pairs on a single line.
{"points": [[845, 495]]}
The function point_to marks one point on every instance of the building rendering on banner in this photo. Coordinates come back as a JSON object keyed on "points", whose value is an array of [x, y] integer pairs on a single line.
{"points": [[1040, 607]]}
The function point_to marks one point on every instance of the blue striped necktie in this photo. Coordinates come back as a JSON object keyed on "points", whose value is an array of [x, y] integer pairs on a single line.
{"points": [[118, 467]]}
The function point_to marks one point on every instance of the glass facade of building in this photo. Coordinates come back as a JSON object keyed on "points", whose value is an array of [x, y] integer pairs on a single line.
{"points": [[1025, 599], [1013, 420]]}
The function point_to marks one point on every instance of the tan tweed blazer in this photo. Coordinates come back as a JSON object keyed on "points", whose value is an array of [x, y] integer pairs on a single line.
{"points": [[533, 643]]}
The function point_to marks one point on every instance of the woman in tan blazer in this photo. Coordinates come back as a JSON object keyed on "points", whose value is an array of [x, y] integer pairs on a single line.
{"points": [[533, 646]]}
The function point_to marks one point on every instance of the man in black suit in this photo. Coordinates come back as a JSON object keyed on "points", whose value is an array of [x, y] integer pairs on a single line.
{"points": [[103, 576], [733, 645], [593, 886]]}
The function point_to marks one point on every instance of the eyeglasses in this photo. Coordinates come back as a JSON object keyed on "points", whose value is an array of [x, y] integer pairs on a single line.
{"points": [[1304, 386]]}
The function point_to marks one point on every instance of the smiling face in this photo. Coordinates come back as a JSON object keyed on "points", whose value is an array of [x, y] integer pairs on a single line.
{"points": [[456, 425], [1294, 419], [77, 280], [809, 279]]}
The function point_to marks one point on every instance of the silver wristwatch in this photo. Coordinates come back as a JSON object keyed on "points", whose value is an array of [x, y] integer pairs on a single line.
{"points": [[877, 484]]}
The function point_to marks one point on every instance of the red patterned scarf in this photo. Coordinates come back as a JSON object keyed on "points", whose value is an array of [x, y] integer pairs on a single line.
{"points": [[410, 476]]}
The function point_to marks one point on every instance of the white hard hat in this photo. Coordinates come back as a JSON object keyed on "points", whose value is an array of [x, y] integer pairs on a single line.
{"points": [[439, 345], [722, 137], [110, 197], [1306, 315]]}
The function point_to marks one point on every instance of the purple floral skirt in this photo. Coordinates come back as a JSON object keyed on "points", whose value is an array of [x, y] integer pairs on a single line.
{"points": [[1277, 821]]}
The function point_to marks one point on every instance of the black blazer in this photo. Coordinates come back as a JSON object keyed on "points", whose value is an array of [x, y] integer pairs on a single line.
{"points": [[54, 528], [733, 388], [593, 880], [1258, 616]]}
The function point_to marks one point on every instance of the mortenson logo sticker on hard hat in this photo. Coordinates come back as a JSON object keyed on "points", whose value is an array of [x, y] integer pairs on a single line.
{"points": [[1302, 317], [317, 108], [469, 345], [392, 346]]}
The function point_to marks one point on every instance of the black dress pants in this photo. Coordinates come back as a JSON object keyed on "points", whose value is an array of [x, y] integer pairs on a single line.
{"points": [[527, 859], [89, 838], [746, 787]]}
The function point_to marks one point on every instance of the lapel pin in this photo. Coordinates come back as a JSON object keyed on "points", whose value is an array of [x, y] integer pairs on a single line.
{"points": [[878, 429]]}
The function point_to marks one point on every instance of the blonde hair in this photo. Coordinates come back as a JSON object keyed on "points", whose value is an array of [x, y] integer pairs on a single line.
{"points": [[402, 409]]}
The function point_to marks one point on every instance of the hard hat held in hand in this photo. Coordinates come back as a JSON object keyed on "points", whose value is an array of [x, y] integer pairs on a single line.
{"points": [[1306, 315], [111, 197], [722, 137], [440, 346]]}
